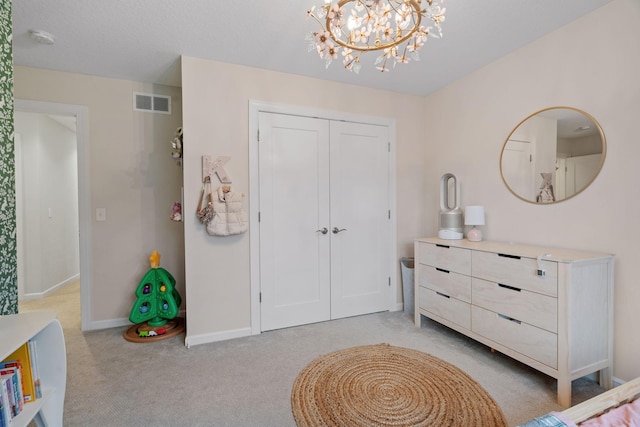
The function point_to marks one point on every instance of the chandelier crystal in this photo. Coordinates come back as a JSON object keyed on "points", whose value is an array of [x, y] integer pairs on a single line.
{"points": [[350, 28]]}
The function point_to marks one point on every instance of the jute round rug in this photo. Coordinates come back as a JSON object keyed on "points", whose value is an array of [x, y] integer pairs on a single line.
{"points": [[384, 385]]}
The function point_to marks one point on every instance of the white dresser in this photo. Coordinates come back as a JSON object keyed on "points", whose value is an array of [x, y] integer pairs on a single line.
{"points": [[550, 308]]}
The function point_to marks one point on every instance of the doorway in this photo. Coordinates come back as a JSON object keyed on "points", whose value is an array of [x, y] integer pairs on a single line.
{"points": [[518, 168], [324, 239], [79, 114]]}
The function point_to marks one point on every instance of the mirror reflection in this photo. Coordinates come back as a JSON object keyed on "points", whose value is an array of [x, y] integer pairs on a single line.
{"points": [[552, 155]]}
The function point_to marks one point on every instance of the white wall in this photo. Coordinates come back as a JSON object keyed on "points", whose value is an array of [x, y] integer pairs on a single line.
{"points": [[461, 129], [216, 106], [49, 220], [131, 174], [592, 64]]}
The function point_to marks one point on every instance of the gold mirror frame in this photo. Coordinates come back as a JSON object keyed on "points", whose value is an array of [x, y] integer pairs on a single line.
{"points": [[531, 162]]}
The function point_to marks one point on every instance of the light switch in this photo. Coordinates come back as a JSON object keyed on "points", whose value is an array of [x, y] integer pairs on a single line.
{"points": [[101, 214]]}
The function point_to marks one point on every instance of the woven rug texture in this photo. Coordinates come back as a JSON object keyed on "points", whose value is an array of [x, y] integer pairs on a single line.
{"points": [[384, 385]]}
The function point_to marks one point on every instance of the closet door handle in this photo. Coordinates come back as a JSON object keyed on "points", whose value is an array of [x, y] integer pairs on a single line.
{"points": [[336, 230], [323, 230]]}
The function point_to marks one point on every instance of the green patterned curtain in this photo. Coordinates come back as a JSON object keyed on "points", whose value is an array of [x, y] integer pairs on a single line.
{"points": [[8, 269]]}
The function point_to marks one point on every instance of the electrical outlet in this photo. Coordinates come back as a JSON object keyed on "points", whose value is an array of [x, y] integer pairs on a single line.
{"points": [[101, 214]]}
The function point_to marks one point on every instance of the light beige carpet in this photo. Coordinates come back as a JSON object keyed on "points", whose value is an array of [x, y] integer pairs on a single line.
{"points": [[248, 381]]}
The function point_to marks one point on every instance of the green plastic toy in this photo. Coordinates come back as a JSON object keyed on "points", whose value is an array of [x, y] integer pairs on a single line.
{"points": [[157, 300]]}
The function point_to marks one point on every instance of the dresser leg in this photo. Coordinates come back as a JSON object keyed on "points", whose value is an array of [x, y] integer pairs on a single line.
{"points": [[564, 392], [605, 379]]}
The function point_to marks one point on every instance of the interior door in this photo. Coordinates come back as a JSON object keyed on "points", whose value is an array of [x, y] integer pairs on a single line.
{"points": [[324, 219], [561, 179], [518, 168], [586, 167], [577, 172], [359, 218], [294, 201]]}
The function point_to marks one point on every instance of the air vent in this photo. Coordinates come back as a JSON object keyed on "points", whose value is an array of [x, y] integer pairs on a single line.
{"points": [[152, 103]]}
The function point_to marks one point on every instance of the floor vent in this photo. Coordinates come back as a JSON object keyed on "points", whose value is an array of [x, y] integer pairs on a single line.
{"points": [[152, 103]]}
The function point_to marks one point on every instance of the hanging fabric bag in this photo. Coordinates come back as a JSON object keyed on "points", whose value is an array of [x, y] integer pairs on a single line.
{"points": [[205, 212], [229, 216]]}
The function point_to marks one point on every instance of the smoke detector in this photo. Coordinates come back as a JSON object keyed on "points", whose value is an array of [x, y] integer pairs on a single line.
{"points": [[42, 37]]}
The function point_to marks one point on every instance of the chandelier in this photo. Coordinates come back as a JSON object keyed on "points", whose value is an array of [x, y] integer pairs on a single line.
{"points": [[350, 28]]}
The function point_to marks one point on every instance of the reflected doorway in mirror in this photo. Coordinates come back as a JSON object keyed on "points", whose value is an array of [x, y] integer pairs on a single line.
{"points": [[564, 142]]}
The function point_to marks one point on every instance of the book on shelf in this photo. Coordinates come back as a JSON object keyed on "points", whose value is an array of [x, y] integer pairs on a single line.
{"points": [[3, 419], [21, 358], [35, 372], [7, 384], [5, 405], [16, 383]]}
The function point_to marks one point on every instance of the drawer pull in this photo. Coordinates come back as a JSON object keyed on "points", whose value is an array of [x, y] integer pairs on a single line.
{"points": [[443, 295], [511, 288], [442, 246], [442, 270], [510, 319], [509, 256]]}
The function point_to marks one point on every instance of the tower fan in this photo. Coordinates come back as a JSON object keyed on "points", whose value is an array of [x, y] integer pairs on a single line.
{"points": [[451, 221]]}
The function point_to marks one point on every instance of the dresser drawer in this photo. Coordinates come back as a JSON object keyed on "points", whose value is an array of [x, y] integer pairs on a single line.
{"points": [[516, 271], [456, 311], [450, 283], [521, 337], [532, 308], [445, 257]]}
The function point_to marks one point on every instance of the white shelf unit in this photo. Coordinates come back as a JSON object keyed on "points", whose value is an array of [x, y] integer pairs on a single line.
{"points": [[44, 328]]}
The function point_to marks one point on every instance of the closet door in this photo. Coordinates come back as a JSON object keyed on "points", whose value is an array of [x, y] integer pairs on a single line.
{"points": [[294, 204], [359, 158], [324, 219]]}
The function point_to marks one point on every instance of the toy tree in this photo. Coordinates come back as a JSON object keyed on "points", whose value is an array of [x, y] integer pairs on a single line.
{"points": [[157, 299]]}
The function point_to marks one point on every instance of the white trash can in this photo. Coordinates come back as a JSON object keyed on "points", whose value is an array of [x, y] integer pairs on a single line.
{"points": [[407, 266]]}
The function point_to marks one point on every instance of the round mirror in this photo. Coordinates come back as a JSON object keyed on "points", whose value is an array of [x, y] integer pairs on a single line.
{"points": [[552, 155]]}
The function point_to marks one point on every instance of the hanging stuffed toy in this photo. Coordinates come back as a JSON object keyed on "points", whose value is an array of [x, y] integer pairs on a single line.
{"points": [[546, 190], [176, 212]]}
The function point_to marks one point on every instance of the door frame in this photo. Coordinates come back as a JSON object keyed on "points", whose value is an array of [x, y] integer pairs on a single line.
{"points": [[81, 113], [255, 108]]}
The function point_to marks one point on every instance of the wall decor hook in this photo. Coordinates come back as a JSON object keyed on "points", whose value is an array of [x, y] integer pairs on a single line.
{"points": [[210, 167]]}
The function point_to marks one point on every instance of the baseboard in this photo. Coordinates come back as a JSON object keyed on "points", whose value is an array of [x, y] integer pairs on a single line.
{"points": [[189, 341], [111, 323], [192, 340], [116, 323], [594, 377], [40, 295]]}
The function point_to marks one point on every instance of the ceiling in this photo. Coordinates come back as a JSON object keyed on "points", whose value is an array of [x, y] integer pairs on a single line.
{"points": [[142, 40], [571, 123]]}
